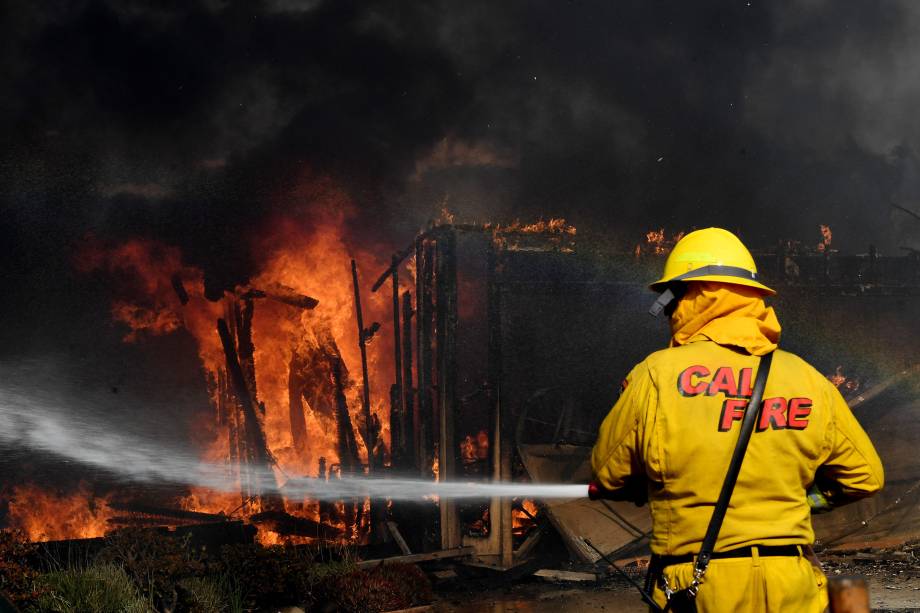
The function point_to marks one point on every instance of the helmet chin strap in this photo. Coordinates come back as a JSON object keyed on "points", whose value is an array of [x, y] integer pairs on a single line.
{"points": [[664, 301], [667, 300]]}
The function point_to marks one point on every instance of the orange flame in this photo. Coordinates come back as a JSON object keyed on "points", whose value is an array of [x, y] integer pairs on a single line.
{"points": [[657, 242], [49, 516], [525, 516]]}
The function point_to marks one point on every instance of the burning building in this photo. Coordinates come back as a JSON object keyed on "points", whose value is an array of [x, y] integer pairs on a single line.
{"points": [[447, 361]]}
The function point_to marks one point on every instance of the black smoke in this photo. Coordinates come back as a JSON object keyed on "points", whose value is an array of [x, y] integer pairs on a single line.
{"points": [[180, 121], [193, 122], [185, 121]]}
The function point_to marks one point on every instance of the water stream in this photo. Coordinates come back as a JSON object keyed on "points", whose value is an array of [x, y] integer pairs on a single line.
{"points": [[39, 422]]}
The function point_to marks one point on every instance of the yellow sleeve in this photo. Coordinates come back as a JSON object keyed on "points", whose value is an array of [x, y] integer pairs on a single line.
{"points": [[852, 469], [617, 454]]}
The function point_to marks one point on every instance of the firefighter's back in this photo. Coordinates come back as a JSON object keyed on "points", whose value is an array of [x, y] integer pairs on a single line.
{"points": [[689, 435]]}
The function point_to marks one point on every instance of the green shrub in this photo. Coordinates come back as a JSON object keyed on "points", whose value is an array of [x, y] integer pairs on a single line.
{"points": [[202, 595], [102, 588], [233, 594], [157, 562]]}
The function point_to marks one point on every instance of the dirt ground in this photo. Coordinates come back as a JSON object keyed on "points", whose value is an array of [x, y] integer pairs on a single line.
{"points": [[545, 598], [891, 589]]}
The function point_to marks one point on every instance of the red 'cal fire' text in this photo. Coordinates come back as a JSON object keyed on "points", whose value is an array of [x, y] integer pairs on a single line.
{"points": [[778, 413]]}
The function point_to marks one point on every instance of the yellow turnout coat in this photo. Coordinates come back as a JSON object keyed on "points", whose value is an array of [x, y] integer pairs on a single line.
{"points": [[676, 423]]}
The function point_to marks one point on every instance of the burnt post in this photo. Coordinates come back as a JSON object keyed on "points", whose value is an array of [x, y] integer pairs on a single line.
{"points": [[242, 313], [347, 445], [255, 437], [424, 328], [446, 327], [409, 423], [398, 399], [369, 441], [501, 443]]}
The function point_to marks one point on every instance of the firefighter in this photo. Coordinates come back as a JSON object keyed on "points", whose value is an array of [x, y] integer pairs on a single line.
{"points": [[677, 420]]}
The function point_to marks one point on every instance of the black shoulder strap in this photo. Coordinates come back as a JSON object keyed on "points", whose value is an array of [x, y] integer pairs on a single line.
{"points": [[751, 416]]}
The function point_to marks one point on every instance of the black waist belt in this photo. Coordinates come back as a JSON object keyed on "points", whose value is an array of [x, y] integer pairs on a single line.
{"points": [[741, 552]]}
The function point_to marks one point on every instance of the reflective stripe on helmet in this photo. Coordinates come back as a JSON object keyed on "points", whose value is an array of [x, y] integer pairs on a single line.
{"points": [[717, 269]]}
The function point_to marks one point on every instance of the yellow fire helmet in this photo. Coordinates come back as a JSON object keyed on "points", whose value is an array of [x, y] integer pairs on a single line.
{"points": [[712, 254]]}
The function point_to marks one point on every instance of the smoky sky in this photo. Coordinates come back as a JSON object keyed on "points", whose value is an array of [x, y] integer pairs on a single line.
{"points": [[192, 123], [182, 121]]}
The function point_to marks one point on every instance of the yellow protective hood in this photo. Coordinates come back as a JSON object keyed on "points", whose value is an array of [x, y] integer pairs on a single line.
{"points": [[731, 315]]}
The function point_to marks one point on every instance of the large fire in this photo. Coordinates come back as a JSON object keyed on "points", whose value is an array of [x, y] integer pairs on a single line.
{"points": [[292, 328]]}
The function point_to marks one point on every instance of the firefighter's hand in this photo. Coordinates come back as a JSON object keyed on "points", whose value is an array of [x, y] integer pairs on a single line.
{"points": [[635, 491]]}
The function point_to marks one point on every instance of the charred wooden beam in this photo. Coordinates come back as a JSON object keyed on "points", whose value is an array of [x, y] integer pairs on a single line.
{"points": [[424, 325], [283, 294], [369, 441], [397, 398], [151, 510], [349, 460], [446, 327], [396, 419], [179, 288], [409, 423], [394, 266], [501, 441], [434, 232], [232, 412], [459, 552], [255, 437], [326, 508], [241, 458], [287, 524], [243, 311], [134, 521]]}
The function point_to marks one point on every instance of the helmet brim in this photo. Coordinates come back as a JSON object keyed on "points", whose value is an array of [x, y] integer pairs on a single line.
{"points": [[660, 284]]}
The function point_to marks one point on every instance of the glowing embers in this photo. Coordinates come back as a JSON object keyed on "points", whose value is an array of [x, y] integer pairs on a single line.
{"points": [[846, 384], [826, 238], [524, 518], [657, 243], [474, 449], [553, 235]]}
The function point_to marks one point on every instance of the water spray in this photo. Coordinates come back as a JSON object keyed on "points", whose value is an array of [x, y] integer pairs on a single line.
{"points": [[39, 424]]}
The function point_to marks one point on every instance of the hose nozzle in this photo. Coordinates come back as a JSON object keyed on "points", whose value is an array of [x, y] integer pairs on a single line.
{"points": [[596, 491]]}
